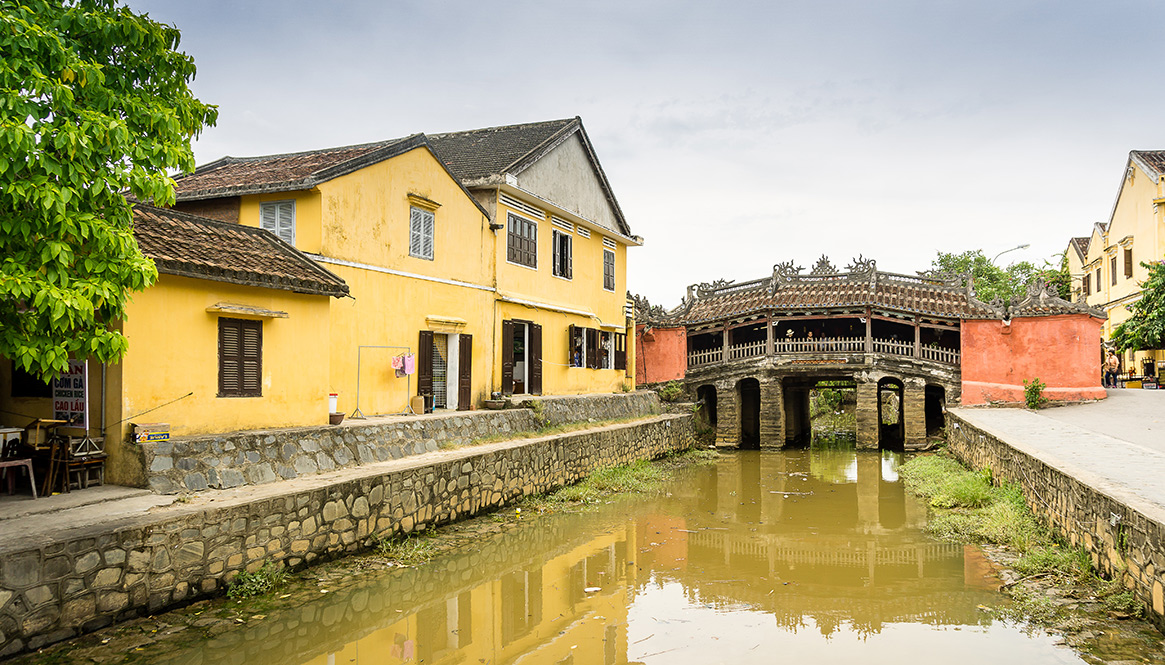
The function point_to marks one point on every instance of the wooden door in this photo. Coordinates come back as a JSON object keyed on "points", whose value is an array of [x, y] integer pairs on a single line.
{"points": [[425, 364], [507, 357], [534, 359], [465, 373]]}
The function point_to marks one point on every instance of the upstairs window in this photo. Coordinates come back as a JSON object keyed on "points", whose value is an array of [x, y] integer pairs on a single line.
{"points": [[1087, 285], [1112, 269], [608, 270], [1128, 262], [278, 217], [240, 358], [522, 241], [421, 227], [563, 262]]}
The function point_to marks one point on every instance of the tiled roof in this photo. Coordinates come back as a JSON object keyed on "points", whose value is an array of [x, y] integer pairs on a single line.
{"points": [[1042, 300], [902, 293], [191, 246], [477, 155], [1154, 159], [1081, 245], [233, 176]]}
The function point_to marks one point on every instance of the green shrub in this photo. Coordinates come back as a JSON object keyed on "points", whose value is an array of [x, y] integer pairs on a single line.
{"points": [[671, 391], [263, 581], [1033, 393]]}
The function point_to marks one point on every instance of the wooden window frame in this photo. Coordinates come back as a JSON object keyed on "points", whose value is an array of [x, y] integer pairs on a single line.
{"points": [[1128, 262], [609, 275], [240, 358], [562, 264], [419, 218], [1112, 269], [520, 249], [275, 205], [1087, 283]]}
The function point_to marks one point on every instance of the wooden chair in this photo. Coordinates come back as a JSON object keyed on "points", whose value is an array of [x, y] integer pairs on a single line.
{"points": [[10, 460]]}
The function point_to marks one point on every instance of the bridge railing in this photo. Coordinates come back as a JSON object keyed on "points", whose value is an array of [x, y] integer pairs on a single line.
{"points": [[822, 345]]}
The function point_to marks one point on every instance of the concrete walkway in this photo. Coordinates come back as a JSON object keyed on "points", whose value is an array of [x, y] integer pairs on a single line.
{"points": [[1116, 446]]}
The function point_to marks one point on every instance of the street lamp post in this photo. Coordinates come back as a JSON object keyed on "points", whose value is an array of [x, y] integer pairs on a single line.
{"points": [[1023, 246]]}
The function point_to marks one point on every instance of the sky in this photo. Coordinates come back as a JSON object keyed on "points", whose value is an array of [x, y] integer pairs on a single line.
{"points": [[735, 135]]}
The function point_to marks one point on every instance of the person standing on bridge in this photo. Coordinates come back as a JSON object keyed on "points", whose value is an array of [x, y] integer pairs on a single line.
{"points": [[1112, 366]]}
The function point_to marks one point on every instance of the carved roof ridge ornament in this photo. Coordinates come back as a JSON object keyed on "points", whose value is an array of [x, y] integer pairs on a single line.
{"points": [[705, 289], [999, 307], [645, 312], [862, 268], [948, 279], [1044, 299], [783, 273], [823, 267]]}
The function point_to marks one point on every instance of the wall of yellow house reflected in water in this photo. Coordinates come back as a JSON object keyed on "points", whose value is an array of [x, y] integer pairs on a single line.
{"points": [[814, 553]]}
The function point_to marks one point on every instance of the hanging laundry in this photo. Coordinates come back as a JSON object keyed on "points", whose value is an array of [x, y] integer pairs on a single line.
{"points": [[410, 363], [398, 362]]}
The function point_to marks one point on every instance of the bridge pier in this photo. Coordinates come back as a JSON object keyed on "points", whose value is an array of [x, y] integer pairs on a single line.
{"points": [[867, 413], [727, 414], [772, 413], [914, 411]]}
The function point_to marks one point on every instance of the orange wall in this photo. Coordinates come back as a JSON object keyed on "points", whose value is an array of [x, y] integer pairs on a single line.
{"points": [[1062, 351], [660, 354]]}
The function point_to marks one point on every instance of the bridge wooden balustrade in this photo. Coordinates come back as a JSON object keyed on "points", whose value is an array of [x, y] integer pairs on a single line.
{"points": [[808, 346]]}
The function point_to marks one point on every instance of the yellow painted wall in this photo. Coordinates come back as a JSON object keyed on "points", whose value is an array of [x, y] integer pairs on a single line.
{"points": [[390, 310], [173, 350], [307, 216], [584, 292], [365, 218]]}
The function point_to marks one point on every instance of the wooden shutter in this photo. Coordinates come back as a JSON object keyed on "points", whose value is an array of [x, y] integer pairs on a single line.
{"points": [[279, 218], [570, 346], [415, 232], [569, 257], [1128, 262], [240, 358], [556, 255], [507, 357], [620, 351], [425, 363], [465, 373], [535, 356], [592, 348]]}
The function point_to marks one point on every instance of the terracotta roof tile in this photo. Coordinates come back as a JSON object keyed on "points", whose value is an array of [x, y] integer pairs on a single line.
{"points": [[479, 154], [1155, 159], [902, 293], [232, 176], [191, 246]]}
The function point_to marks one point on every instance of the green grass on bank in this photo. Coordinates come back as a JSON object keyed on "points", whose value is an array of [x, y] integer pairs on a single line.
{"points": [[968, 507], [545, 431], [642, 477]]}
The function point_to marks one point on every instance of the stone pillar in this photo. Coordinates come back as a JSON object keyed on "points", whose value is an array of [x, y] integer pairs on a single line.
{"points": [[917, 339], [724, 348], [869, 331], [772, 412], [867, 413], [727, 415], [914, 411]]}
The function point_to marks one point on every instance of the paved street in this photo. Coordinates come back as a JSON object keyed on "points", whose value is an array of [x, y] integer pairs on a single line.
{"points": [[1117, 446]]}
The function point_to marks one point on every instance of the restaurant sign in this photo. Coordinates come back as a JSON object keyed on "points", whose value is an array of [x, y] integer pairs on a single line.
{"points": [[70, 394]]}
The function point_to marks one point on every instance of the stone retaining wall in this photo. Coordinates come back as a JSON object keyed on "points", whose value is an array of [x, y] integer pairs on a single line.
{"points": [[92, 577], [1124, 542], [222, 461]]}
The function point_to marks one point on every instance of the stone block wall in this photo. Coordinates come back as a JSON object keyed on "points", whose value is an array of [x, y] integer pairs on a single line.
{"points": [[91, 577], [1122, 539], [223, 461]]}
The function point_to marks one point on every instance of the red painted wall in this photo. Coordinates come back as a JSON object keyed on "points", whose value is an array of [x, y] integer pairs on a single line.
{"points": [[1062, 351], [661, 354]]}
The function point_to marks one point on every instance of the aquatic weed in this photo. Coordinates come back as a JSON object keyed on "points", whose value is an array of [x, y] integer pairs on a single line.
{"points": [[269, 577]]}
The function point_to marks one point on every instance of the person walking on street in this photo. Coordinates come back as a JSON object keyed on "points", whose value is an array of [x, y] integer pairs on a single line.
{"points": [[1112, 366]]}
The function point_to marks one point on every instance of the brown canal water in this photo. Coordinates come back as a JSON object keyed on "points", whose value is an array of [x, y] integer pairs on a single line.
{"points": [[809, 556]]}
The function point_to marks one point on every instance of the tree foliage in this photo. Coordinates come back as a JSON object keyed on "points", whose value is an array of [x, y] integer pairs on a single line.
{"points": [[1008, 283], [1145, 328], [94, 105]]}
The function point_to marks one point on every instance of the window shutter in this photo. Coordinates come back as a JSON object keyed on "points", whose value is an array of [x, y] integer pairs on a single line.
{"points": [[429, 231], [465, 373], [1128, 263], [425, 363], [620, 351], [251, 358], [569, 257], [287, 222], [570, 346], [268, 218], [415, 232], [535, 354], [228, 356], [507, 357], [556, 260], [592, 348]]}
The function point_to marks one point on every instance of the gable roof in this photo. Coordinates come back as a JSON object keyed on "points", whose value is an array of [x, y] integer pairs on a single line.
{"points": [[1080, 244], [234, 176], [192, 246], [1151, 162], [484, 157]]}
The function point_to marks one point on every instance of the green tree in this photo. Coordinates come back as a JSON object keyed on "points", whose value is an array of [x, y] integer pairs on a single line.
{"points": [[1008, 283], [1145, 328], [95, 105]]}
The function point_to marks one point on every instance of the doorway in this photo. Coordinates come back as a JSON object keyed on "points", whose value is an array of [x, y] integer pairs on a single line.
{"points": [[520, 344]]}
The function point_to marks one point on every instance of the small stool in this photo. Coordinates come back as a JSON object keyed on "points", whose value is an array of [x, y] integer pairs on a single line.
{"points": [[9, 467]]}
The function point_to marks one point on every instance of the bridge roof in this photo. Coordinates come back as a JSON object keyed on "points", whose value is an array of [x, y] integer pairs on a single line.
{"points": [[825, 288]]}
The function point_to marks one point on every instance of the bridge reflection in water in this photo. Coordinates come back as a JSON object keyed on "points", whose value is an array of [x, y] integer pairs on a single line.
{"points": [[752, 551]]}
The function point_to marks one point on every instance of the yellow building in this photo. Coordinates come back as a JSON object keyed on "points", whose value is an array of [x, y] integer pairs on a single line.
{"points": [[481, 254], [217, 344], [1106, 266]]}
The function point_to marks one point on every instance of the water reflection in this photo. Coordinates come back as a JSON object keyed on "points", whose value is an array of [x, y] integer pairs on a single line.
{"points": [[815, 552]]}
